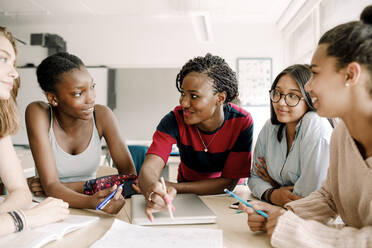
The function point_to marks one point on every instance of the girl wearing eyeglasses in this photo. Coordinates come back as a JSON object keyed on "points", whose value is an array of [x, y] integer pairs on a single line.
{"points": [[341, 86], [291, 155]]}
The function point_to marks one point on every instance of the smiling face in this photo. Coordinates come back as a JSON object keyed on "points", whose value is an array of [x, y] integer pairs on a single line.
{"points": [[74, 94], [327, 85], [7, 71], [285, 113], [200, 103]]}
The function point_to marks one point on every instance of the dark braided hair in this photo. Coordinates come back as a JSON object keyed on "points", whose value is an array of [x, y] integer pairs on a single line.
{"points": [[352, 42], [50, 69], [216, 68], [301, 74]]}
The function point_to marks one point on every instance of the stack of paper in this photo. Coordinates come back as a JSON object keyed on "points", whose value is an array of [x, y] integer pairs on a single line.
{"points": [[122, 234]]}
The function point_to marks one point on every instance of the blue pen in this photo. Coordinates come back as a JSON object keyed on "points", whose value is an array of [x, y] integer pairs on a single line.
{"points": [[260, 212], [108, 198]]}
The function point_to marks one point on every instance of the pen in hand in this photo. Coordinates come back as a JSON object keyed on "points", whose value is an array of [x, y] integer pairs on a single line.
{"points": [[168, 203], [108, 198], [260, 212]]}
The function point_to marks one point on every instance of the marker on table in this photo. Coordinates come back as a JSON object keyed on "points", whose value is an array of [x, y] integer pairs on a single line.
{"points": [[168, 205], [260, 212], [108, 198]]}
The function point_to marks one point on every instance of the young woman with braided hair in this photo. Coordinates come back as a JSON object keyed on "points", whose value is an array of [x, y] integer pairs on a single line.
{"points": [[341, 86], [213, 135], [12, 217]]}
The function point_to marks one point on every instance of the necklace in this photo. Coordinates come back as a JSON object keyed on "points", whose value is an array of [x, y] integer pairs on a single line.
{"points": [[210, 142]]}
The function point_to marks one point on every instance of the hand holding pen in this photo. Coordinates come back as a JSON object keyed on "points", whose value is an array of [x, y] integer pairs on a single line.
{"points": [[160, 198], [110, 200], [262, 216], [260, 212]]}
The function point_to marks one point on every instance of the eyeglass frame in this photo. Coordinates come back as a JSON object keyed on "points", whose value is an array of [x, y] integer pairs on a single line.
{"points": [[285, 97]]}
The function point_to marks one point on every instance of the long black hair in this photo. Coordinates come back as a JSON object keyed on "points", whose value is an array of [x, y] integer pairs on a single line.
{"points": [[301, 74]]}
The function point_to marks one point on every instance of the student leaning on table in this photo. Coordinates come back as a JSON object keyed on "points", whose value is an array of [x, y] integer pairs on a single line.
{"points": [[12, 218], [65, 134], [213, 135], [291, 155], [341, 87]]}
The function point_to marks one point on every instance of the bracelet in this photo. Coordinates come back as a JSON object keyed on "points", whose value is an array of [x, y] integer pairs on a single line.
{"points": [[268, 195], [18, 222], [150, 195], [24, 219]]}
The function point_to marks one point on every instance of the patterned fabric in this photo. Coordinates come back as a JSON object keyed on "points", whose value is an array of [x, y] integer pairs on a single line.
{"points": [[229, 147], [94, 185]]}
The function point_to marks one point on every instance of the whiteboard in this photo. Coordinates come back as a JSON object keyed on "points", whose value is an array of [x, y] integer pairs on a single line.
{"points": [[255, 78]]}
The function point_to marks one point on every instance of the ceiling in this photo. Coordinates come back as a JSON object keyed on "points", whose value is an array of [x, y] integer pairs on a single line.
{"points": [[18, 11]]}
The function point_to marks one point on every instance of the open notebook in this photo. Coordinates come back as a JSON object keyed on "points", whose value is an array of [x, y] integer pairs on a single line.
{"points": [[122, 234], [190, 209], [42, 235]]}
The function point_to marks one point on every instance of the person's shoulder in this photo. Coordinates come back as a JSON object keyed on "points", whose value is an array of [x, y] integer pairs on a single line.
{"points": [[340, 129], [37, 108], [236, 111], [101, 110], [268, 130], [175, 114], [313, 124], [37, 115], [172, 119], [177, 111]]}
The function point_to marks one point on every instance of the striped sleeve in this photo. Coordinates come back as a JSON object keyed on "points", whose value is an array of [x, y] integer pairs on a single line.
{"points": [[165, 136]]}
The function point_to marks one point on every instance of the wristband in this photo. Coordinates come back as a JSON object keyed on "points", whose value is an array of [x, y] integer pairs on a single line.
{"points": [[268, 195], [24, 219], [18, 222]]}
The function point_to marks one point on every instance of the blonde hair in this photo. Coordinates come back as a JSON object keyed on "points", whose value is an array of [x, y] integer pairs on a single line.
{"points": [[8, 108]]}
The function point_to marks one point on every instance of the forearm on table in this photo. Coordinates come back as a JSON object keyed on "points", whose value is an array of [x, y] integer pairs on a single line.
{"points": [[17, 199], [150, 172], [75, 186], [205, 187], [258, 186], [73, 198], [317, 206], [7, 224]]}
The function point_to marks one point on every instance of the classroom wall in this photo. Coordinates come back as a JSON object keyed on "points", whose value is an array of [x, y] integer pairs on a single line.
{"points": [[156, 44], [146, 95]]}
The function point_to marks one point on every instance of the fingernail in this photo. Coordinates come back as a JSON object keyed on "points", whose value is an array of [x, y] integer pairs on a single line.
{"points": [[173, 208], [239, 211], [166, 199]]}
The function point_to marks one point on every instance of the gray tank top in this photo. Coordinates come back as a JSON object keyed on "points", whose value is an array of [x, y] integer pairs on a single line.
{"points": [[79, 167]]}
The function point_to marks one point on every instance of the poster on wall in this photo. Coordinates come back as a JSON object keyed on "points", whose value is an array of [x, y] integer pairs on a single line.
{"points": [[254, 78]]}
